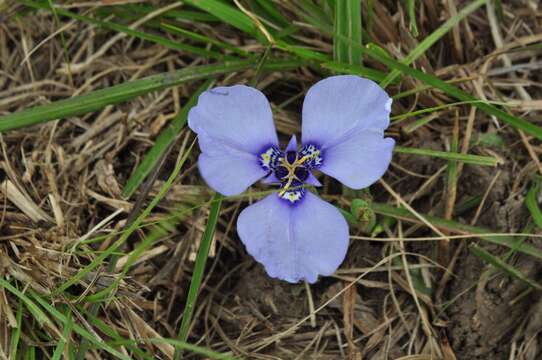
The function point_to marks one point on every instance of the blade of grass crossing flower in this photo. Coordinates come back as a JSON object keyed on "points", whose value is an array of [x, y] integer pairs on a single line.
{"points": [[433, 38], [455, 92], [451, 156], [197, 276], [61, 318], [498, 263], [164, 140], [458, 228], [532, 203], [347, 32], [66, 333], [98, 99]]}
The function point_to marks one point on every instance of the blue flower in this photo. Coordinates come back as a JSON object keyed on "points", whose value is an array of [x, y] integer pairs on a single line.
{"points": [[293, 233]]}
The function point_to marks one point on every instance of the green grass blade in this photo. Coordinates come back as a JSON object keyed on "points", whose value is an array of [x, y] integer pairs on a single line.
{"points": [[359, 70], [209, 354], [498, 263], [347, 32], [455, 92], [270, 9], [30, 353], [433, 38], [112, 333], [458, 228], [532, 203], [204, 39], [16, 334], [315, 15], [35, 310], [164, 140], [126, 234], [98, 99], [66, 335], [228, 14], [398, 118], [451, 156], [134, 33], [142, 9], [412, 26], [63, 319], [199, 268]]}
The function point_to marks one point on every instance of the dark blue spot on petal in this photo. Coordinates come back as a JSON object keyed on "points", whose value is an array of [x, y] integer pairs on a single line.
{"points": [[301, 173], [281, 172], [291, 156]]}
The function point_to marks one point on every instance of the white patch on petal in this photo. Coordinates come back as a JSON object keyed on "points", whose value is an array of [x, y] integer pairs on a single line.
{"points": [[388, 104]]}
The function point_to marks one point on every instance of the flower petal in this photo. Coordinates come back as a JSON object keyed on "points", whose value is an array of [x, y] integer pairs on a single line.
{"points": [[337, 105], [229, 174], [239, 116], [292, 144], [294, 242], [359, 160], [312, 180], [234, 124]]}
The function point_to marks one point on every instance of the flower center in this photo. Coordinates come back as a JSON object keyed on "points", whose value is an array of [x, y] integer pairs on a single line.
{"points": [[291, 169]]}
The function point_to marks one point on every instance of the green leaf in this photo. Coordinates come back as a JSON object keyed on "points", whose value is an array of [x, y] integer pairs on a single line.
{"points": [[532, 203], [199, 268], [458, 228], [433, 38], [455, 92], [364, 214], [413, 27], [140, 10], [488, 139], [228, 14], [359, 70], [208, 354], [347, 32], [314, 14], [35, 310], [63, 319], [66, 335], [498, 263], [112, 333], [451, 156], [134, 33], [98, 99], [128, 232], [16, 334]]}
